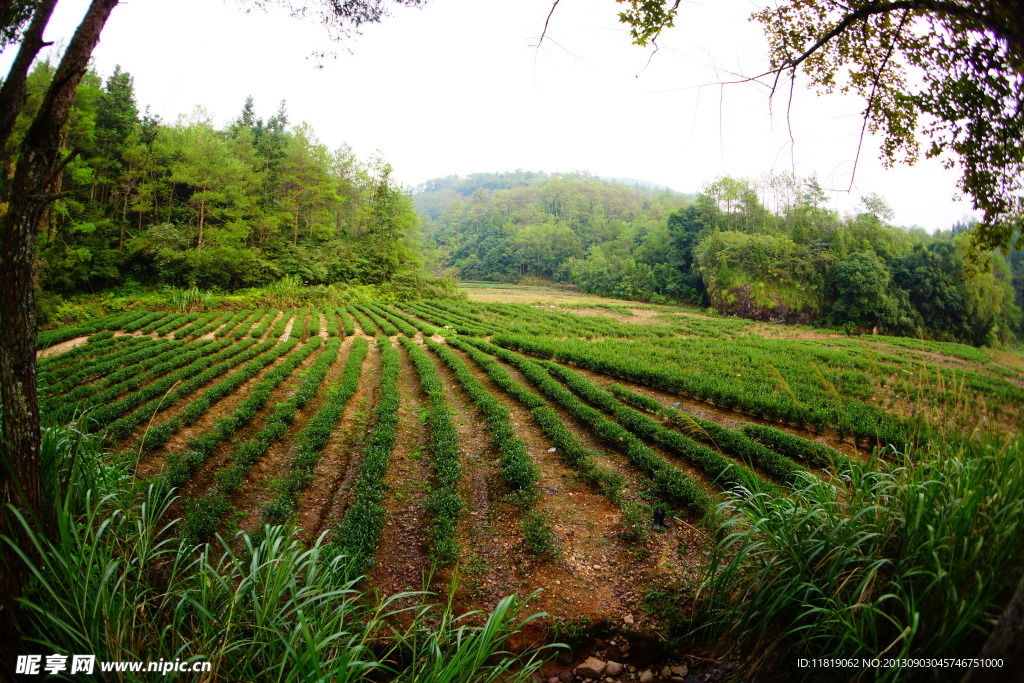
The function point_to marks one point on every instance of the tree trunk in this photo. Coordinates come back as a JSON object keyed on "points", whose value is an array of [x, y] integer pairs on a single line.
{"points": [[12, 95], [1006, 642], [20, 473], [202, 219]]}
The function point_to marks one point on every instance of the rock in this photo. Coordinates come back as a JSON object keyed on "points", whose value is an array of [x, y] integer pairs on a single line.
{"points": [[613, 668], [666, 671], [628, 619], [554, 679], [680, 671], [692, 679], [592, 668], [646, 676], [677, 679]]}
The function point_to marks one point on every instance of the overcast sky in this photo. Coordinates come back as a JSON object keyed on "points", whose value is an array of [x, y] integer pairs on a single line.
{"points": [[460, 86]]}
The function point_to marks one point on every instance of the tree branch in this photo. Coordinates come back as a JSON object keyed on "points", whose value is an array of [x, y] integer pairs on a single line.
{"points": [[935, 6], [546, 21]]}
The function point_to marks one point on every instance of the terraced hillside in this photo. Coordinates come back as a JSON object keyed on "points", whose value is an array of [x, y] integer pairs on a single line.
{"points": [[526, 447]]}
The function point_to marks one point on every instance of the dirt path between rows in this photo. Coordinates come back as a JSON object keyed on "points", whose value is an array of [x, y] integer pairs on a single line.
{"points": [[402, 560], [322, 505], [257, 491], [490, 538], [598, 576], [168, 412]]}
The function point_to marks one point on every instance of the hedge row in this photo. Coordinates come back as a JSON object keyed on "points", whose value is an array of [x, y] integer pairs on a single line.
{"points": [[113, 357], [723, 470], [368, 326], [180, 466], [444, 319], [203, 514], [385, 326], [92, 350], [110, 322], [261, 356], [172, 323], [231, 323], [671, 482], [427, 330], [131, 379], [261, 327], [142, 321], [332, 323], [314, 322], [282, 323], [518, 470], [444, 503], [104, 414], [114, 366], [581, 460], [310, 442], [728, 440], [194, 329], [245, 326], [356, 537], [387, 314], [226, 360], [796, 447], [346, 321]]}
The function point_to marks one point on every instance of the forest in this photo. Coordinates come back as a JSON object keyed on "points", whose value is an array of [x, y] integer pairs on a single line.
{"points": [[146, 203], [767, 249]]}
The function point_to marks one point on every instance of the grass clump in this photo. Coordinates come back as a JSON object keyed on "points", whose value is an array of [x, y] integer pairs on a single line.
{"points": [[915, 555], [111, 579]]}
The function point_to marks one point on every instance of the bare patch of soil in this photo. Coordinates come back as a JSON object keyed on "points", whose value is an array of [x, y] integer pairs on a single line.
{"points": [[60, 348]]}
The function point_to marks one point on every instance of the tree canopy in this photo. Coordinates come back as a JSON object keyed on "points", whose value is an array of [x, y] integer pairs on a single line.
{"points": [[942, 76]]}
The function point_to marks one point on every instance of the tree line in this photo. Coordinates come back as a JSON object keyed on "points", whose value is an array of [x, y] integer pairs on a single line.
{"points": [[187, 203], [770, 249]]}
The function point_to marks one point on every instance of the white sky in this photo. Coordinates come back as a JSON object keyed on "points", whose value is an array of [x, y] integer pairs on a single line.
{"points": [[459, 87]]}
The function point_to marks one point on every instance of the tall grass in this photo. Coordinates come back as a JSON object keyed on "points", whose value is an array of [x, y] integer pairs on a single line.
{"points": [[189, 300], [111, 579], [914, 556]]}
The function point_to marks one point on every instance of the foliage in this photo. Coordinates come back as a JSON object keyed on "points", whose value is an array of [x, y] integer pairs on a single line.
{"points": [[200, 209], [111, 579], [913, 553], [948, 72]]}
